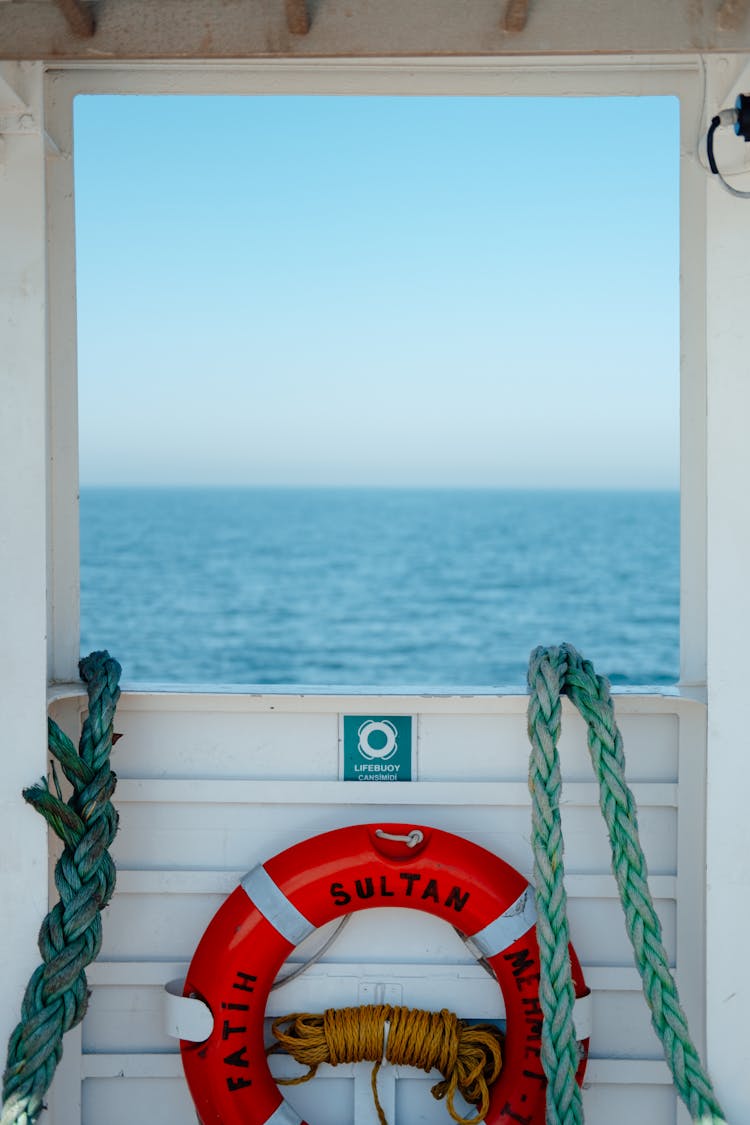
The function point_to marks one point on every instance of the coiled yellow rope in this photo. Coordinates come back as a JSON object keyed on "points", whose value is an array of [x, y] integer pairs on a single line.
{"points": [[468, 1056]]}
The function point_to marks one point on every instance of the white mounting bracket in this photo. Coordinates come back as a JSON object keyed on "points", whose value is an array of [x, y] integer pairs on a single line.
{"points": [[185, 1017], [14, 104], [17, 122], [739, 83], [375, 992], [16, 115], [731, 77]]}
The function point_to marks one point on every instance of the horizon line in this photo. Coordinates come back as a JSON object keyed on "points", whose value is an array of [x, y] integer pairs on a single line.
{"points": [[364, 487]]}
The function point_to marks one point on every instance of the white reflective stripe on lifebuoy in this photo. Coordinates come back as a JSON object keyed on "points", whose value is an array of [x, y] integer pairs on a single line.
{"points": [[284, 1115], [517, 920], [275, 906], [185, 1017]]}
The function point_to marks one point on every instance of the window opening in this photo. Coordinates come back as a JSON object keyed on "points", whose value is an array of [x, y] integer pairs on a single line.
{"points": [[378, 391]]}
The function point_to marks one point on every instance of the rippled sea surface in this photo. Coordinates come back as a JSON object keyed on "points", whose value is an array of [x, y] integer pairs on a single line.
{"points": [[425, 588]]}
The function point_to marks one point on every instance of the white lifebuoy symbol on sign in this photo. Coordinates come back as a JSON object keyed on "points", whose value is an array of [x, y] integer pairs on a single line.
{"points": [[382, 753]]}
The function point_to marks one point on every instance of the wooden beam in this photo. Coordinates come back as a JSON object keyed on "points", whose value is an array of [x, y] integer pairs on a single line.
{"points": [[297, 17], [249, 29], [732, 14], [79, 16], [516, 16]]}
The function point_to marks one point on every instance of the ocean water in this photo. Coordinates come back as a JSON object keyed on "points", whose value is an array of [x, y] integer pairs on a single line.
{"points": [[377, 587]]}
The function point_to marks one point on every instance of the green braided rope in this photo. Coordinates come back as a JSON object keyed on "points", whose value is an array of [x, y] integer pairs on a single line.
{"points": [[71, 935], [559, 1050], [553, 671]]}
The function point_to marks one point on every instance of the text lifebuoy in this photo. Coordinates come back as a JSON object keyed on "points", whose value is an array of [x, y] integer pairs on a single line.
{"points": [[284, 900]]}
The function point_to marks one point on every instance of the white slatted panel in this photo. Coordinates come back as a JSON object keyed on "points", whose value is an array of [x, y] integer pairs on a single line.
{"points": [[211, 785]]}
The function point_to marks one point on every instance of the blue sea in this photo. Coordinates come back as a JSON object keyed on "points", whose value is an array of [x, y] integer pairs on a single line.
{"points": [[431, 589]]}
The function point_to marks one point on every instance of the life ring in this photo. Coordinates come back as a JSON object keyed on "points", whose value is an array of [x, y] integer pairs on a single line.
{"points": [[281, 902], [375, 726]]}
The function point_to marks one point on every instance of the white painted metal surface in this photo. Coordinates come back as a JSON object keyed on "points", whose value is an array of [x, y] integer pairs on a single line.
{"points": [[23, 515], [212, 784], [728, 558]]}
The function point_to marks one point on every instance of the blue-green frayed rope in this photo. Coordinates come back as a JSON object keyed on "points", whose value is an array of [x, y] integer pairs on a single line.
{"points": [[553, 672], [71, 935]]}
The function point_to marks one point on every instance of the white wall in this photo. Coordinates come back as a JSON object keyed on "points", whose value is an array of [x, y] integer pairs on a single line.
{"points": [[23, 538], [728, 588], [211, 785]]}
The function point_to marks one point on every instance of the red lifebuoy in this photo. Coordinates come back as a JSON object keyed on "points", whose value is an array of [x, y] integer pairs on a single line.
{"points": [[284, 900]]}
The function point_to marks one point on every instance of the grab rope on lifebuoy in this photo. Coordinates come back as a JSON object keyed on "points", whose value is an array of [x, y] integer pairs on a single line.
{"points": [[280, 903]]}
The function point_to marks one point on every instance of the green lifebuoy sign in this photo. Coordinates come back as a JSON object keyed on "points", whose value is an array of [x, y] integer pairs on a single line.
{"points": [[377, 748]]}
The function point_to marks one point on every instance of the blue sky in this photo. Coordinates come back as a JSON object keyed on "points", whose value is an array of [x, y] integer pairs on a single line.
{"points": [[378, 291]]}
